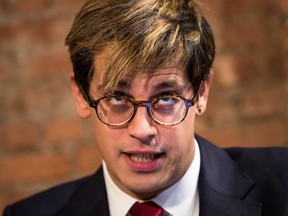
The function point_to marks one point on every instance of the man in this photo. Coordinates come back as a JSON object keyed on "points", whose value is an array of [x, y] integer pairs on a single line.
{"points": [[142, 72]]}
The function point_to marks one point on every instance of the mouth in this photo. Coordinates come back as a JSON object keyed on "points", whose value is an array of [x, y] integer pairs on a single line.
{"points": [[143, 162], [142, 158]]}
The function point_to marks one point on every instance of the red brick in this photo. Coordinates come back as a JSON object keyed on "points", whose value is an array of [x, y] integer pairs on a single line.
{"points": [[221, 136], [260, 68], [220, 111], [41, 31], [50, 97], [282, 6], [225, 71], [8, 62], [62, 129], [267, 101], [251, 35], [285, 35], [66, 3], [48, 62], [31, 6], [20, 6], [211, 10], [8, 33], [88, 159], [238, 9], [32, 167], [12, 102], [19, 135], [272, 133]]}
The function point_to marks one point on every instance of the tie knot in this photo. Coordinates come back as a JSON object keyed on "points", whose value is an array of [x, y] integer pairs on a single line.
{"points": [[146, 209]]}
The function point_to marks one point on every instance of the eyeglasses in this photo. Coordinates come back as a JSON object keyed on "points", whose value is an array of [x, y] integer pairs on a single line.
{"points": [[118, 109]]}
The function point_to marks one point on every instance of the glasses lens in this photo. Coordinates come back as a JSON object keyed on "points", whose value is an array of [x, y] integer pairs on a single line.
{"points": [[168, 109], [115, 110]]}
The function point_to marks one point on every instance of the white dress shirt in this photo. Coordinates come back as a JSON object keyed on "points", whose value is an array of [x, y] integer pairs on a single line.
{"points": [[181, 199]]}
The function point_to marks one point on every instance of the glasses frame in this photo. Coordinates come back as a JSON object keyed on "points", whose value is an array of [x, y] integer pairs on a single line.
{"points": [[144, 103]]}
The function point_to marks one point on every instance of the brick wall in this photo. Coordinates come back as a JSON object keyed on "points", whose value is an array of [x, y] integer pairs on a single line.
{"points": [[43, 142], [249, 100]]}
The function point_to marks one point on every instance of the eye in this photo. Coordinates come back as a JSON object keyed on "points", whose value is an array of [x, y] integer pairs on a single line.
{"points": [[165, 102], [117, 98], [167, 99], [115, 103]]}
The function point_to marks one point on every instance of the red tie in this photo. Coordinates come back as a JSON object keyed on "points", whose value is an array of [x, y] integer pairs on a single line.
{"points": [[146, 209]]}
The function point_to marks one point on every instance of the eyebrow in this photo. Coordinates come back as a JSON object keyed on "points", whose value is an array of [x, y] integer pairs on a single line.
{"points": [[168, 85], [122, 84], [100, 88], [125, 85]]}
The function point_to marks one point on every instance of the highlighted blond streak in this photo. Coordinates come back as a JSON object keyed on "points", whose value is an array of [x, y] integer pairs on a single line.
{"points": [[145, 35]]}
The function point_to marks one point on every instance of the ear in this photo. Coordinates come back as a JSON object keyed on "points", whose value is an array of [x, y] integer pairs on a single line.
{"points": [[82, 106], [203, 95]]}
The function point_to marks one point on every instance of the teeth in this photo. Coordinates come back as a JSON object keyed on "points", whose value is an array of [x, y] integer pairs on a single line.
{"points": [[142, 157]]}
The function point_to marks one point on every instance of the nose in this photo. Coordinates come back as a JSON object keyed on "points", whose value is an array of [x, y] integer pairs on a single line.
{"points": [[142, 127]]}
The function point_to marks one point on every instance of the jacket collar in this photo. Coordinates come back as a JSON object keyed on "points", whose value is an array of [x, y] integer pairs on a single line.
{"points": [[223, 188], [89, 200], [222, 185]]}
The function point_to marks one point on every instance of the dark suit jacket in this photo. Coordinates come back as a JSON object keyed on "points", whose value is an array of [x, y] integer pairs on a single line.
{"points": [[232, 182]]}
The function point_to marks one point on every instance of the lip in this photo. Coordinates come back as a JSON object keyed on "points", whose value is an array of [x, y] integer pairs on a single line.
{"points": [[151, 162]]}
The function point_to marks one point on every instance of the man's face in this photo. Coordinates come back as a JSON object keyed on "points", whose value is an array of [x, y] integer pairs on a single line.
{"points": [[143, 158]]}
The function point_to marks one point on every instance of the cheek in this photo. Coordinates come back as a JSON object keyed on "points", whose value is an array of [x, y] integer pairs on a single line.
{"points": [[106, 140], [102, 132], [177, 140], [180, 140], [183, 132]]}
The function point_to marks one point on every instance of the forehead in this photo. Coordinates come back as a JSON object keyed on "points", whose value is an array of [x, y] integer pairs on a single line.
{"points": [[168, 73], [162, 78]]}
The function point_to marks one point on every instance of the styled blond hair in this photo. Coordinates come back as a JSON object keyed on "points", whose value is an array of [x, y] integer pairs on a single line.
{"points": [[144, 34]]}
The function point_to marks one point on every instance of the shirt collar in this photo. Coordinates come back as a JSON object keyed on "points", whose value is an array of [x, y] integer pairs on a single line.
{"points": [[119, 202], [174, 200]]}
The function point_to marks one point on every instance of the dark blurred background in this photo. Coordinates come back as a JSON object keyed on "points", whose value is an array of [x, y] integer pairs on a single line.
{"points": [[42, 140]]}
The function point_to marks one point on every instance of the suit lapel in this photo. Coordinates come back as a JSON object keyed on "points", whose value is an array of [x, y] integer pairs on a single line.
{"points": [[222, 185], [89, 200], [214, 203], [222, 188]]}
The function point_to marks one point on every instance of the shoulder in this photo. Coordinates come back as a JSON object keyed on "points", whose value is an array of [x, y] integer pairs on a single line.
{"points": [[251, 158], [50, 201], [264, 164], [264, 158], [268, 168], [258, 174]]}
